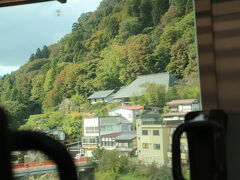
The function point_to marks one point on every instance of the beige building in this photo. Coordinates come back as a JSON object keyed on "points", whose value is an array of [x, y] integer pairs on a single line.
{"points": [[154, 134], [177, 111], [183, 148], [152, 140]]}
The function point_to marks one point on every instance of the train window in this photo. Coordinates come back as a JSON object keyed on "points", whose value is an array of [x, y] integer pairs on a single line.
{"points": [[98, 74]]}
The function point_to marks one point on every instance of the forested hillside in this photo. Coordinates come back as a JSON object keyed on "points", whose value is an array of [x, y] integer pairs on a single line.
{"points": [[107, 49]]}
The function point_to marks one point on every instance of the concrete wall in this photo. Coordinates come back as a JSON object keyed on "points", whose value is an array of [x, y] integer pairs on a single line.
{"points": [[151, 155], [108, 129], [90, 122], [126, 113]]}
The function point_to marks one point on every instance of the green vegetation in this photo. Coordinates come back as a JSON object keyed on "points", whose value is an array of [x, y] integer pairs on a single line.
{"points": [[107, 49], [112, 165]]}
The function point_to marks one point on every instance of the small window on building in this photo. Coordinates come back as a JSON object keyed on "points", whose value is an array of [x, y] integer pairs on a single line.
{"points": [[155, 132], [145, 145], [145, 132], [156, 146], [138, 138]]}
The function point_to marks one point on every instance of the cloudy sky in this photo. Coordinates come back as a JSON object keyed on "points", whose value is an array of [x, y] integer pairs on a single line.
{"points": [[23, 29]]}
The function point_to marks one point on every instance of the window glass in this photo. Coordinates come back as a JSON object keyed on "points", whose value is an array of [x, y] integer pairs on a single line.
{"points": [[155, 132], [145, 145], [156, 146], [74, 68], [144, 132]]}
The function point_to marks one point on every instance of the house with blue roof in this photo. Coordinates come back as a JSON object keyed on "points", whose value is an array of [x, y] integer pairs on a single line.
{"points": [[138, 86], [124, 142]]}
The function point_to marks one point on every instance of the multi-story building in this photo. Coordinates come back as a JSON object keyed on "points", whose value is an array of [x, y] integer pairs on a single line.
{"points": [[183, 148], [152, 139], [127, 143], [90, 140], [177, 110], [113, 124], [95, 127], [154, 134], [124, 142]]}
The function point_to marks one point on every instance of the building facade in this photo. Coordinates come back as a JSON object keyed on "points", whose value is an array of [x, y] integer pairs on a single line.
{"points": [[124, 142], [114, 124], [128, 112], [177, 111], [179, 108], [90, 139], [102, 96], [152, 140], [95, 127]]}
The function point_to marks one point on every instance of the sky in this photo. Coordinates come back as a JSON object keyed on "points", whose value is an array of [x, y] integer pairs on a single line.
{"points": [[25, 28]]}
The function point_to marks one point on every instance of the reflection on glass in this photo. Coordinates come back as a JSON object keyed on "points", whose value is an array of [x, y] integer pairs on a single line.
{"points": [[109, 79]]}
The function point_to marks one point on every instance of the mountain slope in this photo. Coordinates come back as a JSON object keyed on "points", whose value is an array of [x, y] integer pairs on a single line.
{"points": [[107, 49]]}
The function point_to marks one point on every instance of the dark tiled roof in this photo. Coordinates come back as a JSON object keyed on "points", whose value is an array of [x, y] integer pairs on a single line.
{"points": [[114, 135], [101, 94], [174, 114], [125, 137], [181, 101], [137, 86], [147, 116]]}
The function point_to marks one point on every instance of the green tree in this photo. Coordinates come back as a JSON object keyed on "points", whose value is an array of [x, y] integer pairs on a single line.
{"points": [[179, 59], [145, 12], [72, 125], [128, 27], [45, 52], [154, 95], [37, 91], [38, 54], [32, 57], [17, 113], [184, 6], [159, 8], [133, 7]]}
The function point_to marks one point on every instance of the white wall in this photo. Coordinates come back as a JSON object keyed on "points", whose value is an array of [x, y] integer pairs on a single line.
{"points": [[187, 108], [91, 122], [126, 113]]}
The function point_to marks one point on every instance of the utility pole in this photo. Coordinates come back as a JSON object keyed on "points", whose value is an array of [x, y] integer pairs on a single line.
{"points": [[78, 145]]}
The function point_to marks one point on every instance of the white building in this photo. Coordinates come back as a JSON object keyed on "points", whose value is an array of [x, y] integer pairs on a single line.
{"points": [[90, 141], [94, 127], [179, 108], [128, 112], [91, 126]]}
